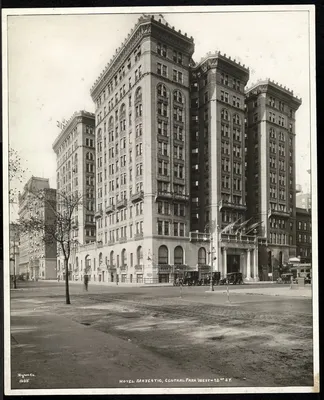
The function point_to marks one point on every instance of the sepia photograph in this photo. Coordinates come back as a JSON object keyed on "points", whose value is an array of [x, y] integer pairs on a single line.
{"points": [[160, 200]]}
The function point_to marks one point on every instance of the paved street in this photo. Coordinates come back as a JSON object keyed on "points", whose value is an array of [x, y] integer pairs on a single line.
{"points": [[114, 336]]}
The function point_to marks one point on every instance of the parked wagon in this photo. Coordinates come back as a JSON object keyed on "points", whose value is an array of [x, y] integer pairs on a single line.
{"points": [[234, 278]]}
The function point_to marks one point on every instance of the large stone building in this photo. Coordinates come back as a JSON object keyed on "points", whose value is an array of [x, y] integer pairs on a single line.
{"points": [[76, 173], [37, 259], [270, 173], [304, 235], [142, 135]]}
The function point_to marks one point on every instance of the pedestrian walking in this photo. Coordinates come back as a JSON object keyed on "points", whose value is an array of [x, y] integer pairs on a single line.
{"points": [[86, 281]]}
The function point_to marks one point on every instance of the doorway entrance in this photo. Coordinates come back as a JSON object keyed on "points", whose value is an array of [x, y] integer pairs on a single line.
{"points": [[233, 263]]}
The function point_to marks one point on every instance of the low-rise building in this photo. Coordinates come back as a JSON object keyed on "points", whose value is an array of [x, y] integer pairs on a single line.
{"points": [[37, 259]]}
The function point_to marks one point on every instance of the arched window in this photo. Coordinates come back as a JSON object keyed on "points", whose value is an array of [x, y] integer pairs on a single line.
{"points": [[100, 258], [177, 96], [225, 114], [139, 255], [138, 94], [112, 258], [178, 255], [280, 258], [106, 260], [123, 257], [99, 134], [122, 111], [77, 262], [87, 264], [236, 119], [111, 122], [163, 255], [76, 157], [202, 256], [161, 90]]}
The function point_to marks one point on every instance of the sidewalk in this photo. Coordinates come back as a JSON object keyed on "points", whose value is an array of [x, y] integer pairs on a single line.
{"points": [[272, 291], [122, 284], [56, 352]]}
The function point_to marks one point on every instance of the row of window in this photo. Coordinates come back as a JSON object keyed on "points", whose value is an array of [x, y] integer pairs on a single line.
{"points": [[161, 69], [164, 228], [225, 131], [230, 81], [163, 51], [304, 238], [226, 166], [277, 223], [278, 238], [225, 97], [119, 76], [225, 114], [304, 225], [226, 183]]}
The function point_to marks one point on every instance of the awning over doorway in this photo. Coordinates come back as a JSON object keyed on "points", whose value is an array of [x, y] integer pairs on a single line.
{"points": [[294, 260]]}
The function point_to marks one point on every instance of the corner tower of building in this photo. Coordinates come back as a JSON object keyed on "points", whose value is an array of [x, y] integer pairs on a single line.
{"points": [[142, 138], [217, 144], [271, 173]]}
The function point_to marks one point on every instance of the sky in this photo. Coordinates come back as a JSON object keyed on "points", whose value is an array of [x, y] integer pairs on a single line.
{"points": [[53, 60]]}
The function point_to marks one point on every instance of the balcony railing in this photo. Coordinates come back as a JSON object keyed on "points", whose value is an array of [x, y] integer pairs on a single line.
{"points": [[138, 236], [237, 238], [121, 204], [99, 243], [137, 197], [123, 267], [139, 267], [98, 214], [111, 267], [111, 242], [163, 195], [280, 213], [75, 224], [237, 206], [110, 209], [123, 240], [180, 197]]}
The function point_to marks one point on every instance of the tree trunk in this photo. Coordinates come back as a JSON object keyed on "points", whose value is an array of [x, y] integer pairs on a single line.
{"points": [[67, 293]]}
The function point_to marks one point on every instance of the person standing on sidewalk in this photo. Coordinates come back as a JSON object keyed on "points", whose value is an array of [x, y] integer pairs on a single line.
{"points": [[86, 281]]}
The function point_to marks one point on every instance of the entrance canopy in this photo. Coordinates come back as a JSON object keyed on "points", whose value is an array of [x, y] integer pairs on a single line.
{"points": [[294, 260]]}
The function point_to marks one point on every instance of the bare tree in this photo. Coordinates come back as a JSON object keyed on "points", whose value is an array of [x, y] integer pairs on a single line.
{"points": [[16, 173], [58, 226]]}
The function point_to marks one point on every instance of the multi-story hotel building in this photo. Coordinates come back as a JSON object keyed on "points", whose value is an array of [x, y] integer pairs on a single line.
{"points": [[75, 152], [37, 258], [177, 152], [143, 154], [218, 192], [271, 197]]}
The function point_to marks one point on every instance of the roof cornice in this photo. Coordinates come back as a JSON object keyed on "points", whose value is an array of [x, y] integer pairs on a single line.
{"points": [[145, 27], [76, 118], [267, 85]]}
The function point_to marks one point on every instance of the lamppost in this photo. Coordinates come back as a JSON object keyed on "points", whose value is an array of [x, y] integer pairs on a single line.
{"points": [[209, 236], [13, 259]]}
